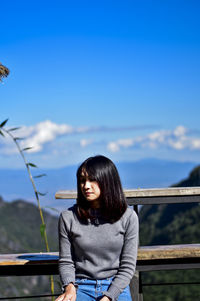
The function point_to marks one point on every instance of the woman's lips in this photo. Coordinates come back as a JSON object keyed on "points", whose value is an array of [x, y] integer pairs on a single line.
{"points": [[88, 193]]}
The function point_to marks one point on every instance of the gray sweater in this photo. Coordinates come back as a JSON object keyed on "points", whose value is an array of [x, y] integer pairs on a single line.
{"points": [[98, 250]]}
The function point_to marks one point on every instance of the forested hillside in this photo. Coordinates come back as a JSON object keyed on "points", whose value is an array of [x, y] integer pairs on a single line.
{"points": [[172, 224], [20, 233]]}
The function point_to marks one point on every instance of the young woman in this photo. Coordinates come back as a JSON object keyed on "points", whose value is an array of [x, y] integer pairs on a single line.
{"points": [[98, 237]]}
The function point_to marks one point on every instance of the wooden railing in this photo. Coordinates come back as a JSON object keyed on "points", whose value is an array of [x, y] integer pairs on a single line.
{"points": [[150, 258], [165, 257], [150, 196]]}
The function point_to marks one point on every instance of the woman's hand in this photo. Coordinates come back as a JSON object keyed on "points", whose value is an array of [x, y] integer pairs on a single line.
{"points": [[105, 298], [69, 294]]}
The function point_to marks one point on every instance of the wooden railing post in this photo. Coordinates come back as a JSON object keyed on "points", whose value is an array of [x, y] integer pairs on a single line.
{"points": [[136, 282], [136, 287]]}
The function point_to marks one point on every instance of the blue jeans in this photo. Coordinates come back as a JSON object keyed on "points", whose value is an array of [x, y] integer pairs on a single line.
{"points": [[92, 290]]}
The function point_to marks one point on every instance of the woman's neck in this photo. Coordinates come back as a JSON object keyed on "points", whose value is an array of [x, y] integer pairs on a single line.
{"points": [[95, 204]]}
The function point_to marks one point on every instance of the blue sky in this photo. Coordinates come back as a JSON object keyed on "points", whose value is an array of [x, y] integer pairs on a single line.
{"points": [[120, 78]]}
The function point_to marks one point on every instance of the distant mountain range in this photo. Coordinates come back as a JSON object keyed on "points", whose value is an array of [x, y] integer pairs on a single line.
{"points": [[14, 183]]}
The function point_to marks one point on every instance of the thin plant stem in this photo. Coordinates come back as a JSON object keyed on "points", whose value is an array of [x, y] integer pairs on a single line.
{"points": [[27, 164]]}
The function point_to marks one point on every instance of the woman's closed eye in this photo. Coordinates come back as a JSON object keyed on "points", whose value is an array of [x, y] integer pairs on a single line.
{"points": [[82, 180], [90, 179]]}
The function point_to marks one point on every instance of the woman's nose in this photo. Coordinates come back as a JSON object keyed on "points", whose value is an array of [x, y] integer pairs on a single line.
{"points": [[87, 184]]}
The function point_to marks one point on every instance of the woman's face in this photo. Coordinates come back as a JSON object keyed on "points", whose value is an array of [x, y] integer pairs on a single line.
{"points": [[89, 187]]}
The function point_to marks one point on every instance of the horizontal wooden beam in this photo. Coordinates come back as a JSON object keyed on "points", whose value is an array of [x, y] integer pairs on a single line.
{"points": [[28, 264], [142, 193], [164, 200], [150, 196], [66, 194], [170, 264], [169, 252], [149, 258], [168, 257], [158, 192], [28, 258]]}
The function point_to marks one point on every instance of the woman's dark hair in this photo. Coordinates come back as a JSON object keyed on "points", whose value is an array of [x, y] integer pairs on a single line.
{"points": [[103, 171]]}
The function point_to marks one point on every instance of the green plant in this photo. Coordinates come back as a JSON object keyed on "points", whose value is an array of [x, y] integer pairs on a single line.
{"points": [[29, 165]]}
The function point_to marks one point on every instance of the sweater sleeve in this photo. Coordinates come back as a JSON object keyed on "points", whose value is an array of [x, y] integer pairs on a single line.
{"points": [[66, 264], [128, 259]]}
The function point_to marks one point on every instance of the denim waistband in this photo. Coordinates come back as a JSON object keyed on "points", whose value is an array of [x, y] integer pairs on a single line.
{"points": [[94, 281]]}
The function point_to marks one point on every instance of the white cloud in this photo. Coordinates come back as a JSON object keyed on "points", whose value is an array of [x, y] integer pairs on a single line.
{"points": [[177, 139], [37, 136], [43, 133], [195, 144], [180, 131], [85, 142], [40, 134], [113, 147]]}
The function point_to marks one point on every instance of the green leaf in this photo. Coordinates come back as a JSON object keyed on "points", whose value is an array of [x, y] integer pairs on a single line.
{"points": [[26, 148], [42, 194], [3, 123], [32, 165], [42, 230], [39, 176], [13, 129], [1, 133]]}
